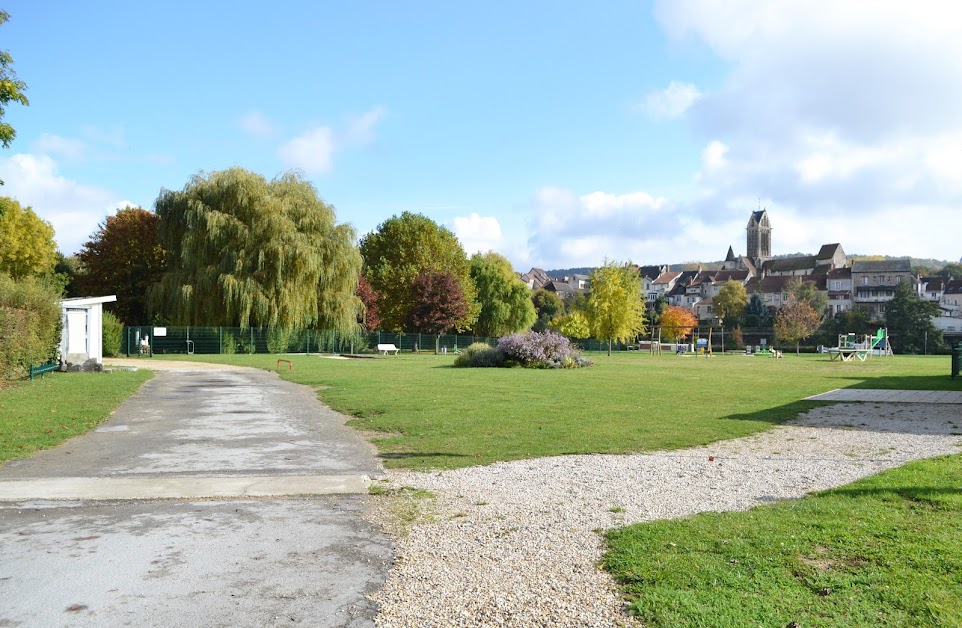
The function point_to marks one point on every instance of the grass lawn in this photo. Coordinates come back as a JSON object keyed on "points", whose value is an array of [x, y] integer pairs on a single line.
{"points": [[45, 412], [884, 551], [423, 414]]}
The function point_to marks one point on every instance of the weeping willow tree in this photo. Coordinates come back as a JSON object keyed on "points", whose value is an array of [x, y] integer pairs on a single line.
{"points": [[244, 251]]}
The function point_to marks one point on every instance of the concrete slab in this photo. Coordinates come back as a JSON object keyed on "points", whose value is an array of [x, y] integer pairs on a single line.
{"points": [[181, 487], [890, 396], [310, 561], [109, 528]]}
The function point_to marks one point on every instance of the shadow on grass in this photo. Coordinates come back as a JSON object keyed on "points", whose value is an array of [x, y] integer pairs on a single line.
{"points": [[907, 418], [923, 494], [907, 382], [427, 454]]}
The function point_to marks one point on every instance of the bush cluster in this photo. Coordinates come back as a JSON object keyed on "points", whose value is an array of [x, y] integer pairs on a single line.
{"points": [[29, 323], [113, 335], [533, 349], [546, 349], [480, 355]]}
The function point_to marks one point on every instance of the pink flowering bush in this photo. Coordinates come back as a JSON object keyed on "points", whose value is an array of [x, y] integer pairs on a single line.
{"points": [[545, 349]]}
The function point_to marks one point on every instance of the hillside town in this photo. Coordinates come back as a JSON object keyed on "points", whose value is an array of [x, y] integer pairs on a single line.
{"points": [[845, 284]]}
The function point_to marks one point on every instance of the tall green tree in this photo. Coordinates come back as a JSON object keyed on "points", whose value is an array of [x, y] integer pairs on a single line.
{"points": [[11, 90], [729, 304], [909, 322], [123, 257], [616, 307], [807, 291], [26, 241], [245, 251], [756, 313], [505, 300], [548, 306], [400, 250]]}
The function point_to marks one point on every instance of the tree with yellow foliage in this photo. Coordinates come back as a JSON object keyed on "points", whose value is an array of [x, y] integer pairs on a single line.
{"points": [[26, 241]]}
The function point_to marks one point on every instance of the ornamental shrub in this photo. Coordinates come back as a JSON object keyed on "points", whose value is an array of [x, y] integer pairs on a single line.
{"points": [[537, 349], [480, 355], [113, 335]]}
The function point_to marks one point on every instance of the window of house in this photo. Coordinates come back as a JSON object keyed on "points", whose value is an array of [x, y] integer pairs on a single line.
{"points": [[898, 279], [836, 285], [864, 281]]}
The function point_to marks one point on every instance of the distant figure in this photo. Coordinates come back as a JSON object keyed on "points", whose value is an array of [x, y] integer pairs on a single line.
{"points": [[144, 346]]}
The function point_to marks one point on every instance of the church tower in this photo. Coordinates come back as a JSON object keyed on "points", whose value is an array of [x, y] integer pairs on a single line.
{"points": [[759, 236]]}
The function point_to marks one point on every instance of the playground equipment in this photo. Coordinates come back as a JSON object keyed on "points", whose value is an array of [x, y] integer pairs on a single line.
{"points": [[850, 347]]}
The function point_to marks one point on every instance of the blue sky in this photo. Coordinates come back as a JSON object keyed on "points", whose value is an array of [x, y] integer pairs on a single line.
{"points": [[557, 133]]}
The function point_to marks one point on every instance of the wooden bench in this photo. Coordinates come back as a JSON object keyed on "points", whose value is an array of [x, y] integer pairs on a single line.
{"points": [[384, 348]]}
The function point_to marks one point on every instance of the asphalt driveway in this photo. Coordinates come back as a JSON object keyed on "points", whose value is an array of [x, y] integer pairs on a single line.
{"points": [[211, 497]]}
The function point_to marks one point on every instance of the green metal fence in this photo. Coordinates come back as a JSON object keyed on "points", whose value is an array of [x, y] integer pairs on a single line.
{"points": [[230, 340], [956, 360]]}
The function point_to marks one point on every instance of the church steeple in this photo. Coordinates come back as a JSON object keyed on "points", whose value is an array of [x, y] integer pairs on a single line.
{"points": [[731, 255], [759, 236]]}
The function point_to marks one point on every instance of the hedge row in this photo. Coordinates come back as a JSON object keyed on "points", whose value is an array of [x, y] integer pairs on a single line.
{"points": [[29, 323]]}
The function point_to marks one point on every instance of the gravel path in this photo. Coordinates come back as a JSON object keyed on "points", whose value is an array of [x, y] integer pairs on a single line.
{"points": [[517, 543]]}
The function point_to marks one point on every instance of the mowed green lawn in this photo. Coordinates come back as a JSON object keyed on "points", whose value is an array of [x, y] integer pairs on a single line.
{"points": [[45, 412], [884, 551], [424, 414]]}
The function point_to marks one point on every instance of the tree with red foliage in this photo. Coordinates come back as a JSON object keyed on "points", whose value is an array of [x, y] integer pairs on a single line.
{"points": [[369, 297], [123, 257], [439, 304]]}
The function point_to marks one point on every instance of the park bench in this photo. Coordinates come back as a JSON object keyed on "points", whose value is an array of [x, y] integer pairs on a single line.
{"points": [[384, 348]]}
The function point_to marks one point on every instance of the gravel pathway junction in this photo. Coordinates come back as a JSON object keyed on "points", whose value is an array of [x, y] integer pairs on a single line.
{"points": [[517, 543]]}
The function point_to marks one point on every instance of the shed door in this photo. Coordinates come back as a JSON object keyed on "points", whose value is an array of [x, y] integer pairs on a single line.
{"points": [[76, 331]]}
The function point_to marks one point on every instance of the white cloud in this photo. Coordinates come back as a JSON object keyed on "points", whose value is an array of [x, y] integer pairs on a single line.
{"points": [[74, 209], [576, 230], [842, 114], [68, 148], [478, 234], [259, 125], [360, 129], [312, 151], [670, 102]]}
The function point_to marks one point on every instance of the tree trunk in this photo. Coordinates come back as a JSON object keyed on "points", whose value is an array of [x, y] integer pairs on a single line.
{"points": [[796, 348], [609, 347]]}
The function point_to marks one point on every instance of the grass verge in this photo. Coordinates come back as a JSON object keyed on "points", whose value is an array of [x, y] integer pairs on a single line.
{"points": [[421, 413], [884, 551], [45, 412]]}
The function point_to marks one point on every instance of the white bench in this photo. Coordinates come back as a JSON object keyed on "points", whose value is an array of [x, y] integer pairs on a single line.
{"points": [[384, 348]]}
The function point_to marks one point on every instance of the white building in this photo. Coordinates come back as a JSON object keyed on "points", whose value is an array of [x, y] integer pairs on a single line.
{"points": [[81, 342]]}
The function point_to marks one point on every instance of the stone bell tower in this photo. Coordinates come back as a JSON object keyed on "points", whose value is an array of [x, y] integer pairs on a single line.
{"points": [[759, 237]]}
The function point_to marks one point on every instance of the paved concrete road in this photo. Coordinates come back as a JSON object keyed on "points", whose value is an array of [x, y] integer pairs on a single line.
{"points": [[297, 556]]}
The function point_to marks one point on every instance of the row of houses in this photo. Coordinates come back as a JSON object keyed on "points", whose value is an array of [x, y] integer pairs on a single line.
{"points": [[864, 284]]}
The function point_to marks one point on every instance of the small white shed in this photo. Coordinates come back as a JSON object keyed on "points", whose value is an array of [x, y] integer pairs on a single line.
{"points": [[81, 342]]}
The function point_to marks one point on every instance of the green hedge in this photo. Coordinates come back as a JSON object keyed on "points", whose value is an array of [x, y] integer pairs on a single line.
{"points": [[29, 323]]}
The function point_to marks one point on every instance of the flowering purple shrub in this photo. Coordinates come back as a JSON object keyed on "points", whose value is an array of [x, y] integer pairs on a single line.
{"points": [[544, 349]]}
